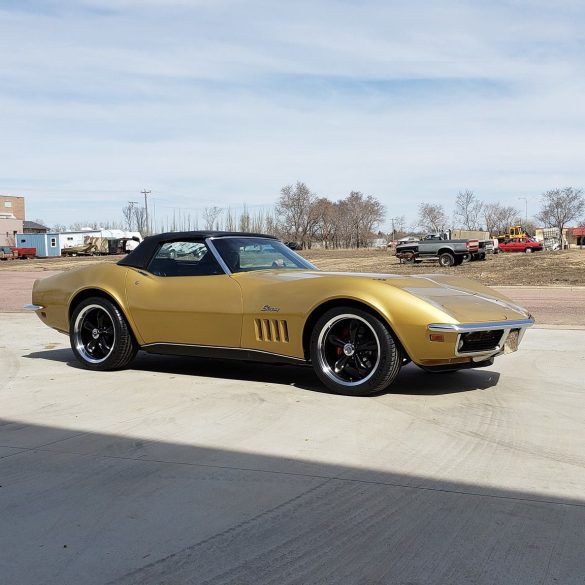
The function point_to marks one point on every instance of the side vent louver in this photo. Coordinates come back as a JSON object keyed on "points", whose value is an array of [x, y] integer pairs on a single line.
{"points": [[271, 330]]}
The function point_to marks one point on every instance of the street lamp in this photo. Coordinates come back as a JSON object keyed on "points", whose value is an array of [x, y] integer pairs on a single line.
{"points": [[525, 208]]}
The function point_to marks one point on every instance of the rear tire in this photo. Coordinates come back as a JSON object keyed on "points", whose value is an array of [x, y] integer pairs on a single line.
{"points": [[100, 336], [353, 352], [446, 259]]}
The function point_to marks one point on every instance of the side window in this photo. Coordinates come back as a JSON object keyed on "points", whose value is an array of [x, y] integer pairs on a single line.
{"points": [[184, 259], [53, 242], [258, 257]]}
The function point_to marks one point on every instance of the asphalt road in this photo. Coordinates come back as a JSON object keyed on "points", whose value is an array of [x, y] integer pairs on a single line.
{"points": [[182, 471]]}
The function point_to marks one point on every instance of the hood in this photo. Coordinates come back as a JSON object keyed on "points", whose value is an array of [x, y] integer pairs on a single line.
{"points": [[465, 300]]}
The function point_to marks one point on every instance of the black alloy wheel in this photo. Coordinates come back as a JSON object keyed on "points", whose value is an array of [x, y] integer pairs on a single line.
{"points": [[353, 352], [100, 336]]}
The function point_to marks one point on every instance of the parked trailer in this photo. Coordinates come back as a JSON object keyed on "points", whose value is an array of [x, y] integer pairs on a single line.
{"points": [[25, 253], [85, 250]]}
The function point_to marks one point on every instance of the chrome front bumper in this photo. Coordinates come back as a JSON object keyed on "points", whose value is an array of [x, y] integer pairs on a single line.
{"points": [[507, 327]]}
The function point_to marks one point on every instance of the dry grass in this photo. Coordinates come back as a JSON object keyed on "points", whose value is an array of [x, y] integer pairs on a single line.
{"points": [[539, 269], [565, 268]]}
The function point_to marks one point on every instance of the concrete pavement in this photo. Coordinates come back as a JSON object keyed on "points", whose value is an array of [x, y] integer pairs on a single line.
{"points": [[191, 471]]}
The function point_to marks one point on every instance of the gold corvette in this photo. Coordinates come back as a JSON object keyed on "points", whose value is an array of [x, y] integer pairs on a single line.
{"points": [[248, 296]]}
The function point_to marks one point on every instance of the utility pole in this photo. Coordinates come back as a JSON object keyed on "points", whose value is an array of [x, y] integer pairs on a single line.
{"points": [[393, 219], [146, 193]]}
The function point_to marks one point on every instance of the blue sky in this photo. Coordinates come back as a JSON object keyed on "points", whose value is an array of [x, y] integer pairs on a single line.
{"points": [[222, 102]]}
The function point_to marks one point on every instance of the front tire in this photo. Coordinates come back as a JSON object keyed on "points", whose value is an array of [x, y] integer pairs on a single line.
{"points": [[100, 336], [528, 251], [409, 258], [353, 352]]}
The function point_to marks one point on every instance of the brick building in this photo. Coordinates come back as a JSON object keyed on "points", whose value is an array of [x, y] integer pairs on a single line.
{"points": [[13, 206], [11, 218]]}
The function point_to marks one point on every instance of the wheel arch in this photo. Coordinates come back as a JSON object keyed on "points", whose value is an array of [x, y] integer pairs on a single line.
{"points": [[87, 293], [446, 251], [321, 309]]}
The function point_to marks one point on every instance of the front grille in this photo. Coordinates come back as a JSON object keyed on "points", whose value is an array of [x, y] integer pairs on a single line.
{"points": [[479, 341]]}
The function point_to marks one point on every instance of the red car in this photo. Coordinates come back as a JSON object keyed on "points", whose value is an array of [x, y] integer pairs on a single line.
{"points": [[526, 245]]}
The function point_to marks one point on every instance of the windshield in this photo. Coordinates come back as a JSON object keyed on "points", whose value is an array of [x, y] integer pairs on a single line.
{"points": [[242, 254]]}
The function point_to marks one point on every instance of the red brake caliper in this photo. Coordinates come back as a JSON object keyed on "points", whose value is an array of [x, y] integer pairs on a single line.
{"points": [[345, 334]]}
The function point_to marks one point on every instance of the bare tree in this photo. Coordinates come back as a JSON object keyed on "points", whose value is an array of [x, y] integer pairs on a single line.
{"points": [[210, 215], [230, 220], [245, 220], [140, 219], [258, 222], [528, 225], [498, 218], [353, 204], [271, 224], [432, 218], [134, 219], [560, 207], [297, 214], [129, 217], [327, 221], [59, 228], [365, 214], [468, 210], [344, 235]]}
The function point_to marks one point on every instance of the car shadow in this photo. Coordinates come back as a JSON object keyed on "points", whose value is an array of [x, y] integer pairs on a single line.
{"points": [[414, 381], [410, 381], [139, 506]]}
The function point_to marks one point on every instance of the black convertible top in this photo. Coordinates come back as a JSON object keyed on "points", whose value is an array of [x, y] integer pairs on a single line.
{"points": [[141, 255]]}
